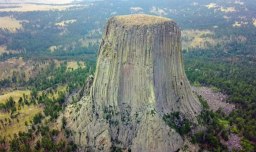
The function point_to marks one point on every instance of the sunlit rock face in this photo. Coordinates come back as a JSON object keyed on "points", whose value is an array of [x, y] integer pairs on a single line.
{"points": [[139, 77]]}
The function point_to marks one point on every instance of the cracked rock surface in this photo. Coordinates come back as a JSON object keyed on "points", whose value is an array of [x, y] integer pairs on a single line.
{"points": [[139, 77]]}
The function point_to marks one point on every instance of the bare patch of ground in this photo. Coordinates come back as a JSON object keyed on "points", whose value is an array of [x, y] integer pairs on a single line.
{"points": [[234, 142], [215, 100]]}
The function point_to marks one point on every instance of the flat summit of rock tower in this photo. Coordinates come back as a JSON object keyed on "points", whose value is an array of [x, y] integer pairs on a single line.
{"points": [[139, 80], [140, 19]]}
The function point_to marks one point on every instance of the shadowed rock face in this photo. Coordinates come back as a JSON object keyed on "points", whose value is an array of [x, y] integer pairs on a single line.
{"points": [[139, 77]]}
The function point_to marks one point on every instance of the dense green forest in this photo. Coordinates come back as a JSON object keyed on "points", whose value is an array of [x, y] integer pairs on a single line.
{"points": [[237, 79]]}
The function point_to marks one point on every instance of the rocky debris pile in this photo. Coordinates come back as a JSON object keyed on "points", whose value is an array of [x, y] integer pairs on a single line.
{"points": [[215, 100], [234, 142]]}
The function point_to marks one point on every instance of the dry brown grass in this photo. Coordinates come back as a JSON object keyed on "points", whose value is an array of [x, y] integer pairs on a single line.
{"points": [[158, 11], [85, 42], [15, 94], [194, 40], [227, 9], [73, 65], [242, 17], [53, 48], [34, 7], [141, 19], [3, 49], [239, 2], [237, 24], [26, 114], [64, 23], [212, 5], [136, 9], [254, 21], [7, 67], [18, 124], [226, 17], [10, 23], [29, 67], [39, 1]]}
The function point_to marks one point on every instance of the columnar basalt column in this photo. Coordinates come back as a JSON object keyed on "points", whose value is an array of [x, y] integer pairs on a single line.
{"points": [[139, 77]]}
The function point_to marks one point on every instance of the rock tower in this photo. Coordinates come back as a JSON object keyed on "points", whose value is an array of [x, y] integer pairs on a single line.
{"points": [[139, 78]]}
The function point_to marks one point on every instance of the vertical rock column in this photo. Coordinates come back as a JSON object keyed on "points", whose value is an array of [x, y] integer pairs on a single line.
{"points": [[139, 77]]}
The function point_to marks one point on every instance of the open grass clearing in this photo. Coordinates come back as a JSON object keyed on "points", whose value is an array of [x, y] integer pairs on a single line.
{"points": [[158, 11], [254, 22], [30, 68], [18, 124], [10, 23], [85, 42], [15, 94], [239, 24], [227, 9], [211, 5], [53, 48], [26, 113], [226, 17], [3, 49], [194, 39], [239, 2], [74, 65], [64, 23]]}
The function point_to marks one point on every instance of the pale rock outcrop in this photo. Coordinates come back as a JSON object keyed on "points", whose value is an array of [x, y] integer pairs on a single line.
{"points": [[139, 77]]}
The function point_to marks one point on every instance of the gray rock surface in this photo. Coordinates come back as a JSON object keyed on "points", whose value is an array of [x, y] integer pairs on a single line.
{"points": [[139, 77]]}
